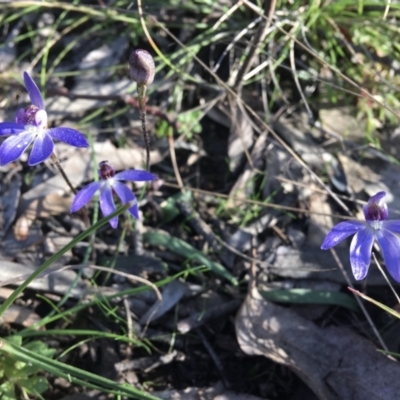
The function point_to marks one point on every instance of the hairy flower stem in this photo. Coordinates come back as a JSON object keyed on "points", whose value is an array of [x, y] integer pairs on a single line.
{"points": [[142, 109], [56, 161]]}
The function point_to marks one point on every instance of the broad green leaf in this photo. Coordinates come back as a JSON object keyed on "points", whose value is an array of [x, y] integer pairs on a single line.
{"points": [[35, 384], [169, 208], [40, 347], [15, 340], [184, 249], [7, 391], [310, 296]]}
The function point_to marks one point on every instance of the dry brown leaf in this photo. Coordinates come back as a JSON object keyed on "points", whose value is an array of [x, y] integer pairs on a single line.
{"points": [[334, 362]]}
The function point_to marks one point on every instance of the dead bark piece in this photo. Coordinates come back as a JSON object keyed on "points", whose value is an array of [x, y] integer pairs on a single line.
{"points": [[334, 362], [243, 187], [171, 294], [240, 135]]}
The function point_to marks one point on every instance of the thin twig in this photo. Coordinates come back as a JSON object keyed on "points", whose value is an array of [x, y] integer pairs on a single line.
{"points": [[214, 357], [259, 37], [83, 210], [386, 278], [61, 169], [360, 303]]}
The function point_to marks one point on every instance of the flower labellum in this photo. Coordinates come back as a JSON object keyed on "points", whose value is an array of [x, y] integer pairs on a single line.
{"points": [[376, 227], [30, 126], [110, 183], [141, 67]]}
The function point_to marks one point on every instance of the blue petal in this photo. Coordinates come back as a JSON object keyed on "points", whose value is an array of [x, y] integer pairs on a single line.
{"points": [[126, 195], [12, 148], [390, 247], [42, 148], [33, 91], [360, 252], [8, 128], [392, 225], [340, 232], [135, 175], [84, 195], [107, 205], [68, 135]]}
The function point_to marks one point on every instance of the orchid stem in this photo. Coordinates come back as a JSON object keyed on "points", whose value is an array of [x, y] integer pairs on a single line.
{"points": [[83, 210], [142, 109], [61, 169]]}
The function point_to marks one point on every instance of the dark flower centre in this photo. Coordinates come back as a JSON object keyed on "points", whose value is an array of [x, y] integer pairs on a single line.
{"points": [[374, 212], [27, 116], [106, 171]]}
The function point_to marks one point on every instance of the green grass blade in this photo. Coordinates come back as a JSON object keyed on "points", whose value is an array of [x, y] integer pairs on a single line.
{"points": [[310, 296], [71, 373], [377, 303], [57, 255], [184, 249]]}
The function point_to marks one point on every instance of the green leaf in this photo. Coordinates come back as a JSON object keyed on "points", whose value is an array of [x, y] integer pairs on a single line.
{"points": [[184, 249], [15, 340], [169, 208], [40, 347], [310, 296], [7, 391], [35, 384]]}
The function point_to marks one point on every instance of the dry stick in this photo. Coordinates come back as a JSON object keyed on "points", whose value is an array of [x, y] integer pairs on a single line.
{"points": [[49, 271], [269, 9], [248, 108], [61, 169], [360, 303], [174, 162], [363, 92], [386, 278], [296, 80], [260, 203], [214, 357]]}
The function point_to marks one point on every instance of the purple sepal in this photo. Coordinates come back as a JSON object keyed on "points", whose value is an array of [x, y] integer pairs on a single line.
{"points": [[85, 195], [390, 247], [107, 205], [340, 232], [9, 128], [68, 135], [42, 148], [12, 148], [33, 91], [126, 195], [135, 175], [360, 252]]}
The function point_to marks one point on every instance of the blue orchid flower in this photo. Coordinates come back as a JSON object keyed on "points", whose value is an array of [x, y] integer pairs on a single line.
{"points": [[30, 126], [110, 183], [376, 227]]}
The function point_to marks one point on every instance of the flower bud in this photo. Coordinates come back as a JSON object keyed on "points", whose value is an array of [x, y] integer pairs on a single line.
{"points": [[141, 67]]}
